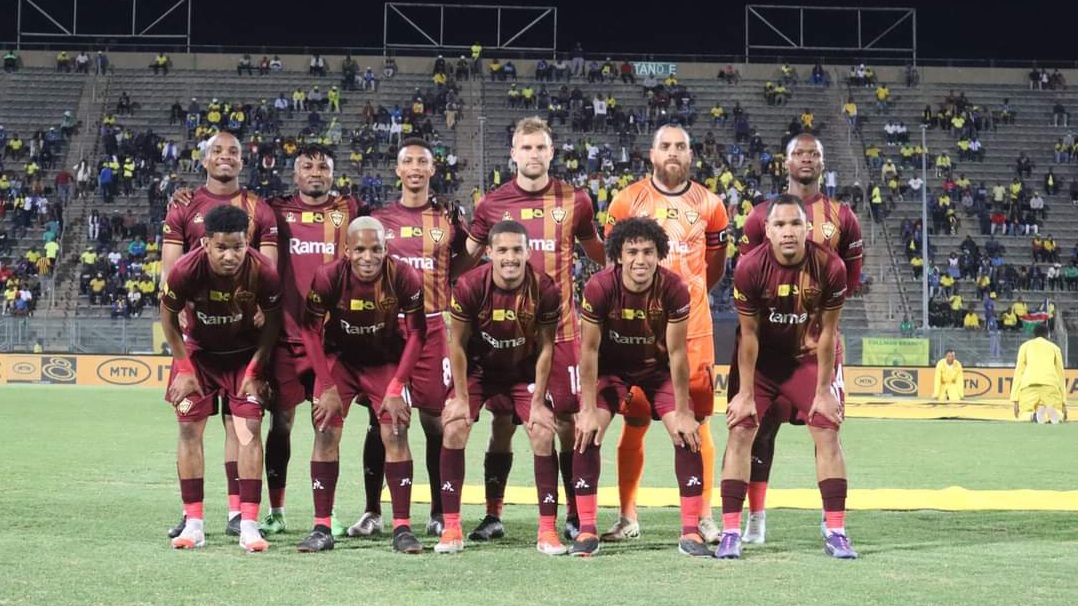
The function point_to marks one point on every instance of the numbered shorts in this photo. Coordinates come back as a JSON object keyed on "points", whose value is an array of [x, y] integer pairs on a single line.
{"points": [[431, 381], [564, 383], [293, 376], [513, 399], [612, 393], [790, 388], [701, 354], [355, 381], [1032, 396], [219, 375]]}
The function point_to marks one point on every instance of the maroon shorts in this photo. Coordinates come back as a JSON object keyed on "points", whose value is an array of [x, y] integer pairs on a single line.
{"points": [[293, 376], [431, 381], [354, 381], [564, 383], [793, 388], [219, 375], [501, 398], [613, 393]]}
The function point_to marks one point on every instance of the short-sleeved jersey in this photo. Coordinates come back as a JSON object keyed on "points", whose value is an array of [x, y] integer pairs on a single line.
{"points": [[222, 309], [788, 301], [633, 324], [830, 223], [310, 237], [426, 239], [695, 221], [183, 224], [504, 343], [361, 317], [553, 216]]}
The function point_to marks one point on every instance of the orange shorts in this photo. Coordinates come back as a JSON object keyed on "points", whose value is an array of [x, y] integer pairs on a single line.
{"points": [[701, 354]]}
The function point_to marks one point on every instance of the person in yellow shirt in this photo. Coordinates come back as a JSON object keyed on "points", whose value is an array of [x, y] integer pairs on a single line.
{"points": [[1019, 308], [1039, 386], [972, 321], [949, 384]]}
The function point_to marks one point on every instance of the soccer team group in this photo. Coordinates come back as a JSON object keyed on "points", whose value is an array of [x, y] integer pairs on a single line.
{"points": [[315, 297]]}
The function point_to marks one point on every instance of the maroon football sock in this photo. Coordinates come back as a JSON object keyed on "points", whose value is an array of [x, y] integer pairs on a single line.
{"points": [[434, 472], [733, 500], [250, 499], [324, 486], [232, 477], [191, 492], [587, 466], [565, 465], [689, 469], [399, 480], [452, 472], [546, 484]]}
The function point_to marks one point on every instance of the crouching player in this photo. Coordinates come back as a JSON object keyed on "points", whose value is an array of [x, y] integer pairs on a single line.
{"points": [[789, 295], [357, 347], [634, 335], [224, 284], [504, 315]]}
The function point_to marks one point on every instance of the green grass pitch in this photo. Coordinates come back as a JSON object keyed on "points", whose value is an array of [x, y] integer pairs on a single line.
{"points": [[87, 489]]}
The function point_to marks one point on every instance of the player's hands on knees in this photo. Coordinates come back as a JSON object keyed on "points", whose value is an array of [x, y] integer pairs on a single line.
{"points": [[184, 384], [400, 415], [456, 409], [259, 319], [541, 416], [587, 429], [183, 321], [686, 431], [325, 407], [1016, 410], [181, 197], [741, 407], [825, 403], [256, 388]]}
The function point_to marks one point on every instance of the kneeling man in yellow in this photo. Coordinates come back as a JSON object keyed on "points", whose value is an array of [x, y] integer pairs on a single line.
{"points": [[949, 382], [1039, 387]]}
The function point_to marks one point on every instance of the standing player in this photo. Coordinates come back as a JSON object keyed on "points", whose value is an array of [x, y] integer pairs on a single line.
{"points": [[832, 224], [313, 225], [695, 222], [504, 316], [358, 348], [554, 213], [424, 234], [222, 285], [1039, 385], [636, 317], [183, 232], [789, 295]]}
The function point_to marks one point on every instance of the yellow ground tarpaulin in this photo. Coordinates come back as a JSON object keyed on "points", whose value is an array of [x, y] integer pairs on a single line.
{"points": [[946, 499], [902, 408]]}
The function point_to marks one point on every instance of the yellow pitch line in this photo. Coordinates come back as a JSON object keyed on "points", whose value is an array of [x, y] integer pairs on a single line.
{"points": [[947, 499]]}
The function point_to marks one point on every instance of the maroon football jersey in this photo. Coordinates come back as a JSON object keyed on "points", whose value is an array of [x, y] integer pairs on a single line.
{"points": [[830, 223], [554, 217], [789, 300], [505, 324], [310, 237], [222, 309], [362, 316], [426, 239], [183, 224], [634, 324]]}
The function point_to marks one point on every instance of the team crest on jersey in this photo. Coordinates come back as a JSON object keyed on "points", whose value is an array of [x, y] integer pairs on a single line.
{"points": [[387, 304], [197, 219], [558, 214], [692, 216], [811, 294], [336, 218], [507, 217], [828, 229], [290, 217], [436, 234], [243, 297]]}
